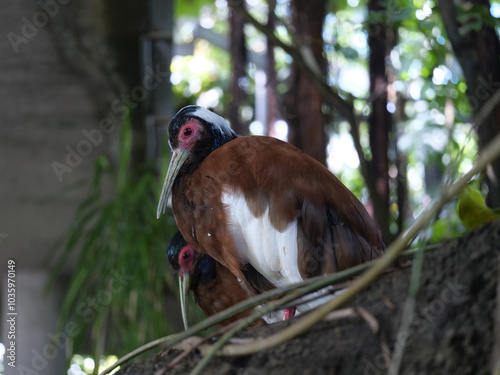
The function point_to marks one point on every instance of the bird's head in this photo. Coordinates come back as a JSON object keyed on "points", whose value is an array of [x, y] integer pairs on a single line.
{"points": [[183, 260], [193, 134], [191, 267]]}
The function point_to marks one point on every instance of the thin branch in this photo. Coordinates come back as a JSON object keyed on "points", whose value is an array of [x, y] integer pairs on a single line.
{"points": [[408, 309], [191, 343], [186, 350], [343, 106], [486, 109]]}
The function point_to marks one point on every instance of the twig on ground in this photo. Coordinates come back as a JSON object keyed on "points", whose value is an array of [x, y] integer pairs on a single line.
{"points": [[408, 309], [187, 346], [369, 319]]}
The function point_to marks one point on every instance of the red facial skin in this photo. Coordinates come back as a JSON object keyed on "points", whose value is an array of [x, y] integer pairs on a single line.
{"points": [[186, 258], [189, 134]]}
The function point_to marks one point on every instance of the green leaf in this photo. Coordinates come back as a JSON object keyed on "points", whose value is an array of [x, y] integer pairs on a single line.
{"points": [[190, 8]]}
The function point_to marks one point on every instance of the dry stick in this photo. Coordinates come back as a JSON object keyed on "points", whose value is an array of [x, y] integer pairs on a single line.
{"points": [[490, 152], [486, 109], [186, 352], [408, 308]]}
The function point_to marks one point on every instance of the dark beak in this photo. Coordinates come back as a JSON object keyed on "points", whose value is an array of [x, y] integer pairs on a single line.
{"points": [[183, 293], [178, 159]]}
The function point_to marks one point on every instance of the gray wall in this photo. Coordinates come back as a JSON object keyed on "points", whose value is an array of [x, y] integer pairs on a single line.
{"points": [[45, 104]]}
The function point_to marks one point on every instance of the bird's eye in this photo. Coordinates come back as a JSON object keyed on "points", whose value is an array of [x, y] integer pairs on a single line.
{"points": [[186, 255], [188, 132]]}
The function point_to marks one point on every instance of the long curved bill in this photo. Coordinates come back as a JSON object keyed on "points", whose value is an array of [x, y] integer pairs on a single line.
{"points": [[183, 293], [178, 158]]}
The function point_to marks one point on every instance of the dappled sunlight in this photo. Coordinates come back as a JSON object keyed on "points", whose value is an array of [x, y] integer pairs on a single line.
{"points": [[341, 153]]}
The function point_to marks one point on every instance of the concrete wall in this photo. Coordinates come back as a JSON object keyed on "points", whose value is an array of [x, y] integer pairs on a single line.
{"points": [[46, 104]]}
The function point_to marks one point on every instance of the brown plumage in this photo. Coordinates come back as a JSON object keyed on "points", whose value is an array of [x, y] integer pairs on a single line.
{"points": [[281, 186]]}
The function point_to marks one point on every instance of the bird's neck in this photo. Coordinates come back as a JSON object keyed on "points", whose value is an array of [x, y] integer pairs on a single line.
{"points": [[202, 150], [206, 266], [220, 138]]}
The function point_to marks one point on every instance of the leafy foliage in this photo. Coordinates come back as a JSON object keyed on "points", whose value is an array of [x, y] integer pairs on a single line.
{"points": [[472, 209], [118, 290]]}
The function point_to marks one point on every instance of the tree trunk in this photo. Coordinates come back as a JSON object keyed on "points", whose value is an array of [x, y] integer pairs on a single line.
{"points": [[401, 164], [271, 84], [379, 120], [239, 59], [478, 52], [304, 115]]}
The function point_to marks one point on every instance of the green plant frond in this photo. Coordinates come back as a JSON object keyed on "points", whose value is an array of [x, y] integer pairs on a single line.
{"points": [[71, 296], [120, 248], [125, 150]]}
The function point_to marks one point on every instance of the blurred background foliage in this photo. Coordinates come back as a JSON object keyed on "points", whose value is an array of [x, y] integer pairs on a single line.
{"points": [[421, 92]]}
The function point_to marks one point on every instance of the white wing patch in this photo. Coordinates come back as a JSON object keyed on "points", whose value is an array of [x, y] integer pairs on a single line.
{"points": [[259, 244], [257, 241]]}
